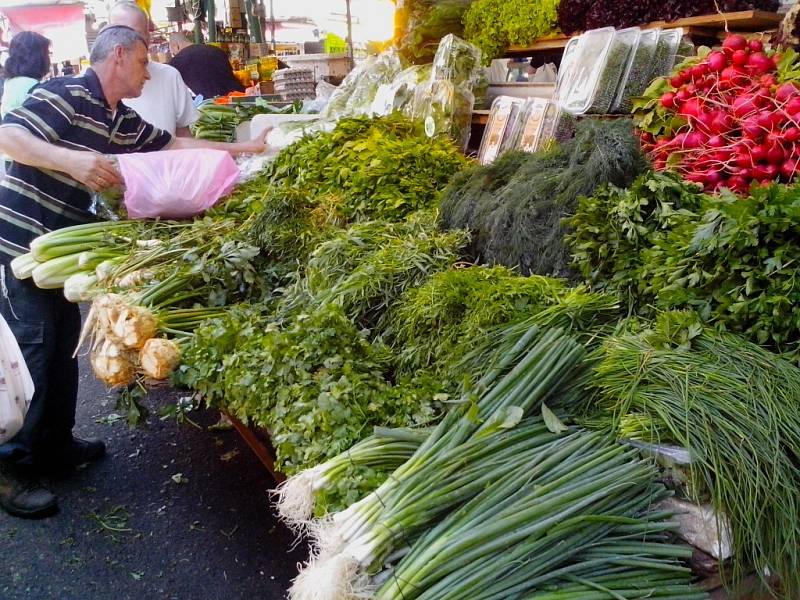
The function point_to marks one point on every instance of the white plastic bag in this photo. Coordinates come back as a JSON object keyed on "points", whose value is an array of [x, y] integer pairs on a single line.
{"points": [[175, 184], [16, 385]]}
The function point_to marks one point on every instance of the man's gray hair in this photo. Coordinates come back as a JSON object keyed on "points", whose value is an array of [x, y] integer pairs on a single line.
{"points": [[112, 36]]}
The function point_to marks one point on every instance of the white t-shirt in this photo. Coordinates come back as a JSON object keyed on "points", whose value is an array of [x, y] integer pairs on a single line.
{"points": [[165, 102]]}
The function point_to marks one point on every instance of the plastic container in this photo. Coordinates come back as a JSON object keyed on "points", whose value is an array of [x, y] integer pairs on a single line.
{"points": [[669, 40], [581, 75], [522, 90], [321, 65], [502, 118], [550, 122], [637, 76], [567, 70], [617, 61], [529, 124]]}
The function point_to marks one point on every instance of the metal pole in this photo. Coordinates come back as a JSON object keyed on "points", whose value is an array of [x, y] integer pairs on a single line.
{"points": [[272, 27], [211, 17], [197, 7], [349, 33]]}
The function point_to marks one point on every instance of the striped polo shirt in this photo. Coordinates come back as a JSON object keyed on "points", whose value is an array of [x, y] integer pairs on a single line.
{"points": [[70, 112]]}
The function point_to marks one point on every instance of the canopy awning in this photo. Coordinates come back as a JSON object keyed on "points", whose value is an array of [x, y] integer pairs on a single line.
{"points": [[63, 24]]}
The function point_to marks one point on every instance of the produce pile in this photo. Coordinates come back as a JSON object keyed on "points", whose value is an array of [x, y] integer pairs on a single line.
{"points": [[735, 406], [728, 119], [456, 421], [550, 512], [514, 207], [424, 23], [494, 25], [218, 122], [149, 281], [664, 244]]}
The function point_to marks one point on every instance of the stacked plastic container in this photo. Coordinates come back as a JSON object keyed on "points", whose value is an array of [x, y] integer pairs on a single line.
{"points": [[603, 69], [601, 72]]}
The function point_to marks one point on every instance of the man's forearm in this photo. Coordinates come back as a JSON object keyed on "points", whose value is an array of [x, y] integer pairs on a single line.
{"points": [[89, 168], [24, 147]]}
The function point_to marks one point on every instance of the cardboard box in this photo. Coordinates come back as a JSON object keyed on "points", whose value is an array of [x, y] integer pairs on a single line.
{"points": [[259, 50]]}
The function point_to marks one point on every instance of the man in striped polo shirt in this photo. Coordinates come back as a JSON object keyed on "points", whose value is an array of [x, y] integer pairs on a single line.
{"points": [[58, 141]]}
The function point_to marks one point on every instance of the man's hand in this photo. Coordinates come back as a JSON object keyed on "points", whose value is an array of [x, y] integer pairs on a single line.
{"points": [[255, 146], [95, 171]]}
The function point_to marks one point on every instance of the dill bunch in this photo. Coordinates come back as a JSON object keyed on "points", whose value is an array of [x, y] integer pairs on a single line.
{"points": [[514, 208]]}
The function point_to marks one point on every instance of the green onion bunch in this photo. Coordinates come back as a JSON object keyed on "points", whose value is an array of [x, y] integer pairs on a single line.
{"points": [[734, 406]]}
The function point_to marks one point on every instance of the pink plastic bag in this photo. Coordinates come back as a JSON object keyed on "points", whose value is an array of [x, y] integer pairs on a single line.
{"points": [[175, 184]]}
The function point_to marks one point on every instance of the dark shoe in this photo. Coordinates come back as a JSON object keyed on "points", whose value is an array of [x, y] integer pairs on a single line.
{"points": [[21, 495], [78, 452]]}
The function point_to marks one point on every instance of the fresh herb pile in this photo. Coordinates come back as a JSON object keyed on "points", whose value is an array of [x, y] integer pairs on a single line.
{"points": [[454, 308], [515, 206], [612, 228], [734, 406], [306, 368], [494, 25], [663, 244], [315, 381], [736, 266], [365, 168]]}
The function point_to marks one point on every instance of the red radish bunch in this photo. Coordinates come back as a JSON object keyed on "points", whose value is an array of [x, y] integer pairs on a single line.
{"points": [[740, 124]]}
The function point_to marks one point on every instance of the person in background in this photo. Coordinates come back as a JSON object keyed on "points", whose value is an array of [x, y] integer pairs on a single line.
{"points": [[204, 68], [58, 141], [165, 102], [27, 64]]}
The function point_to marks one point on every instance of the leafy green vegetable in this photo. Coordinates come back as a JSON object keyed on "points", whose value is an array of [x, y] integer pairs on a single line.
{"points": [[454, 308], [493, 25], [734, 406], [737, 266], [314, 382], [365, 168], [611, 228], [515, 206]]}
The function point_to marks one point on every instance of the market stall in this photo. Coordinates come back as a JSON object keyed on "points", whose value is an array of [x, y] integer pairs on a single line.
{"points": [[564, 368]]}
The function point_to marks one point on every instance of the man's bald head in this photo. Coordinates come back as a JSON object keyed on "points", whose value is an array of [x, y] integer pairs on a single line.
{"points": [[128, 14]]}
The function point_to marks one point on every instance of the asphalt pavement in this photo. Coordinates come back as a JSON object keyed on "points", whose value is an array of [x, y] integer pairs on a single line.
{"points": [[173, 512]]}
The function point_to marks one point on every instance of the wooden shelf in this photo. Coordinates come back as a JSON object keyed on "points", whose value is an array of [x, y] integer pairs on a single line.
{"points": [[480, 117], [704, 26], [543, 45], [745, 20]]}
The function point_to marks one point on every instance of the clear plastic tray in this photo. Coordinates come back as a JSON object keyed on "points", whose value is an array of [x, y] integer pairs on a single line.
{"points": [[551, 126], [669, 40], [637, 76], [501, 119], [567, 70], [617, 60], [528, 128], [582, 74]]}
